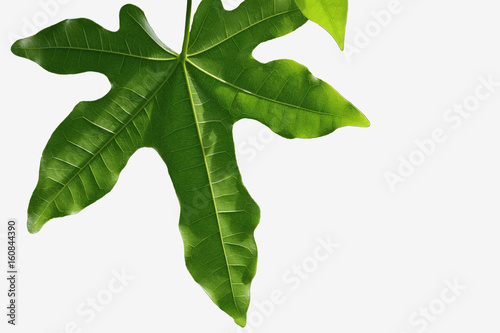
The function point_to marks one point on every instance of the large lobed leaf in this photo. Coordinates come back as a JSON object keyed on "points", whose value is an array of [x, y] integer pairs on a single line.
{"points": [[184, 108]]}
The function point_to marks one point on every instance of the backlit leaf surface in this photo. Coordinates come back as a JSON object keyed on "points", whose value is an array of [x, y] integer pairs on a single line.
{"points": [[330, 14]]}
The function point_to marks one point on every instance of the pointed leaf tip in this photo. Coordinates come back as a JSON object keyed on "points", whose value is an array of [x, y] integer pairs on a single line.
{"points": [[35, 223], [17, 47], [33, 227], [241, 321], [330, 14], [362, 120]]}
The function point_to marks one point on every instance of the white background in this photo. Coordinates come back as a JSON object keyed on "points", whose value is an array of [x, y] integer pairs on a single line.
{"points": [[396, 248]]}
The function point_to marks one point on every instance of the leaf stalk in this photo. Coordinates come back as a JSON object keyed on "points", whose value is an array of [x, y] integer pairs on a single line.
{"points": [[183, 55]]}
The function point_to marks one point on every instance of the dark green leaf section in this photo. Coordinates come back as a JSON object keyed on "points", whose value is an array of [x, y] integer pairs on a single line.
{"points": [[184, 108], [218, 216], [281, 94], [86, 153]]}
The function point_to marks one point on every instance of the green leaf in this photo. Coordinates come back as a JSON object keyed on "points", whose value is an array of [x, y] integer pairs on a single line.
{"points": [[184, 106], [330, 14]]}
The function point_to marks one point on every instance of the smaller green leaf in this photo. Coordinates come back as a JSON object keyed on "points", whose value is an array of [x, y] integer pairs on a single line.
{"points": [[330, 14]]}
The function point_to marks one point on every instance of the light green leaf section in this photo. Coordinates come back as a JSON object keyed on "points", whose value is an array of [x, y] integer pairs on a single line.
{"points": [[184, 108], [330, 14]]}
